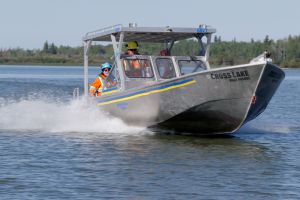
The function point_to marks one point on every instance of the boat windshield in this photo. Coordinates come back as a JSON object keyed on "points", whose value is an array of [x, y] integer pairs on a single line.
{"points": [[137, 68], [190, 66], [113, 79], [165, 68]]}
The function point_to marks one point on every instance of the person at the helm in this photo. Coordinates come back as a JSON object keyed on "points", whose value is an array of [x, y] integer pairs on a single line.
{"points": [[133, 67], [96, 87], [132, 48]]}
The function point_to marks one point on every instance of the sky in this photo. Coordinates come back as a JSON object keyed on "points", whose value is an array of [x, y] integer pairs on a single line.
{"points": [[28, 24]]}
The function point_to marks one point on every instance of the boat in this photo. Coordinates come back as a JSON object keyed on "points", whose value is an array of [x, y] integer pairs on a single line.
{"points": [[194, 98]]}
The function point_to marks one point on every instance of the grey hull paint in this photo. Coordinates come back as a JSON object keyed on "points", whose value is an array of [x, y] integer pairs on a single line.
{"points": [[208, 118], [218, 101]]}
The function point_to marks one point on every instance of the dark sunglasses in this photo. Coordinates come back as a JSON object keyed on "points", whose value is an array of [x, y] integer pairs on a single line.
{"points": [[106, 70]]}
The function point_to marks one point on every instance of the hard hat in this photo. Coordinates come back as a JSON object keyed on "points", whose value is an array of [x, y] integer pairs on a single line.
{"points": [[105, 65], [132, 45]]}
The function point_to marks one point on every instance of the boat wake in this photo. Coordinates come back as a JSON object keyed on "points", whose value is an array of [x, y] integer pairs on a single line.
{"points": [[267, 128], [53, 116]]}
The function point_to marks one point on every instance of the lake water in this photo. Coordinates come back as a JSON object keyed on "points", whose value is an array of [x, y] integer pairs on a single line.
{"points": [[53, 147]]}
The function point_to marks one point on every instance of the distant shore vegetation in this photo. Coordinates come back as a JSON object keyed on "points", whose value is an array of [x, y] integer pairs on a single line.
{"points": [[284, 52]]}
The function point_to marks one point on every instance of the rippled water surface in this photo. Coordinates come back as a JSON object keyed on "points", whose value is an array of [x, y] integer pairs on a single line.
{"points": [[53, 147]]}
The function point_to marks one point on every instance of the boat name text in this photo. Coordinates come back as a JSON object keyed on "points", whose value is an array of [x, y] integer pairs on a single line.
{"points": [[232, 76]]}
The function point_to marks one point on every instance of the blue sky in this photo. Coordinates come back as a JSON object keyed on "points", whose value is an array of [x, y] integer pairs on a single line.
{"points": [[29, 23]]}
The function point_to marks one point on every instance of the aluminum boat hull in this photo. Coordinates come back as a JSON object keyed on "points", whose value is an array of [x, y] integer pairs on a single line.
{"points": [[217, 101]]}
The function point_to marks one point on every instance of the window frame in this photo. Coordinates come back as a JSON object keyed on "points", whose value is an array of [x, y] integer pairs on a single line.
{"points": [[144, 69], [201, 66], [158, 67]]}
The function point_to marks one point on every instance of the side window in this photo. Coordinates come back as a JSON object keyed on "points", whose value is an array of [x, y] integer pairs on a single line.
{"points": [[137, 68], [190, 66], [165, 68], [113, 79]]}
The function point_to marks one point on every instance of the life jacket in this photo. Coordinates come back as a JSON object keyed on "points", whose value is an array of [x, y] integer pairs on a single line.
{"points": [[136, 68], [136, 64], [100, 89], [97, 86]]}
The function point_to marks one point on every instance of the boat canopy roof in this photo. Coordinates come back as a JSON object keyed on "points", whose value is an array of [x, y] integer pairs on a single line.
{"points": [[148, 34]]}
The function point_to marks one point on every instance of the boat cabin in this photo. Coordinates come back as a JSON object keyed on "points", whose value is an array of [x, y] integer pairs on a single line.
{"points": [[140, 70]]}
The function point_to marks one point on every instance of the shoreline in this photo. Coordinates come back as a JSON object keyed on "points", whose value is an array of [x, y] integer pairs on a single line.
{"points": [[96, 65]]}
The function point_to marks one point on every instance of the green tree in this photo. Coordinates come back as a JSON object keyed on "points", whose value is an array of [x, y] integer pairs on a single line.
{"points": [[52, 49], [46, 47], [215, 39]]}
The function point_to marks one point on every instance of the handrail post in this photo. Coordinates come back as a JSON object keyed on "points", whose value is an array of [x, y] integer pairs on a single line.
{"points": [[86, 47], [117, 51]]}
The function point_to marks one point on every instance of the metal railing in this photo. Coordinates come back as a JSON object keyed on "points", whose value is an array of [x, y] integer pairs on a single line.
{"points": [[92, 34]]}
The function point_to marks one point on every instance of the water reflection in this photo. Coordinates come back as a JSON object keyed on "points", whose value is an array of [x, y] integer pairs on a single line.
{"points": [[160, 147]]}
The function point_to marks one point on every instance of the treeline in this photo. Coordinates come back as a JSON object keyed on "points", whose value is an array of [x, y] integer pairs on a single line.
{"points": [[51, 54], [285, 52]]}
